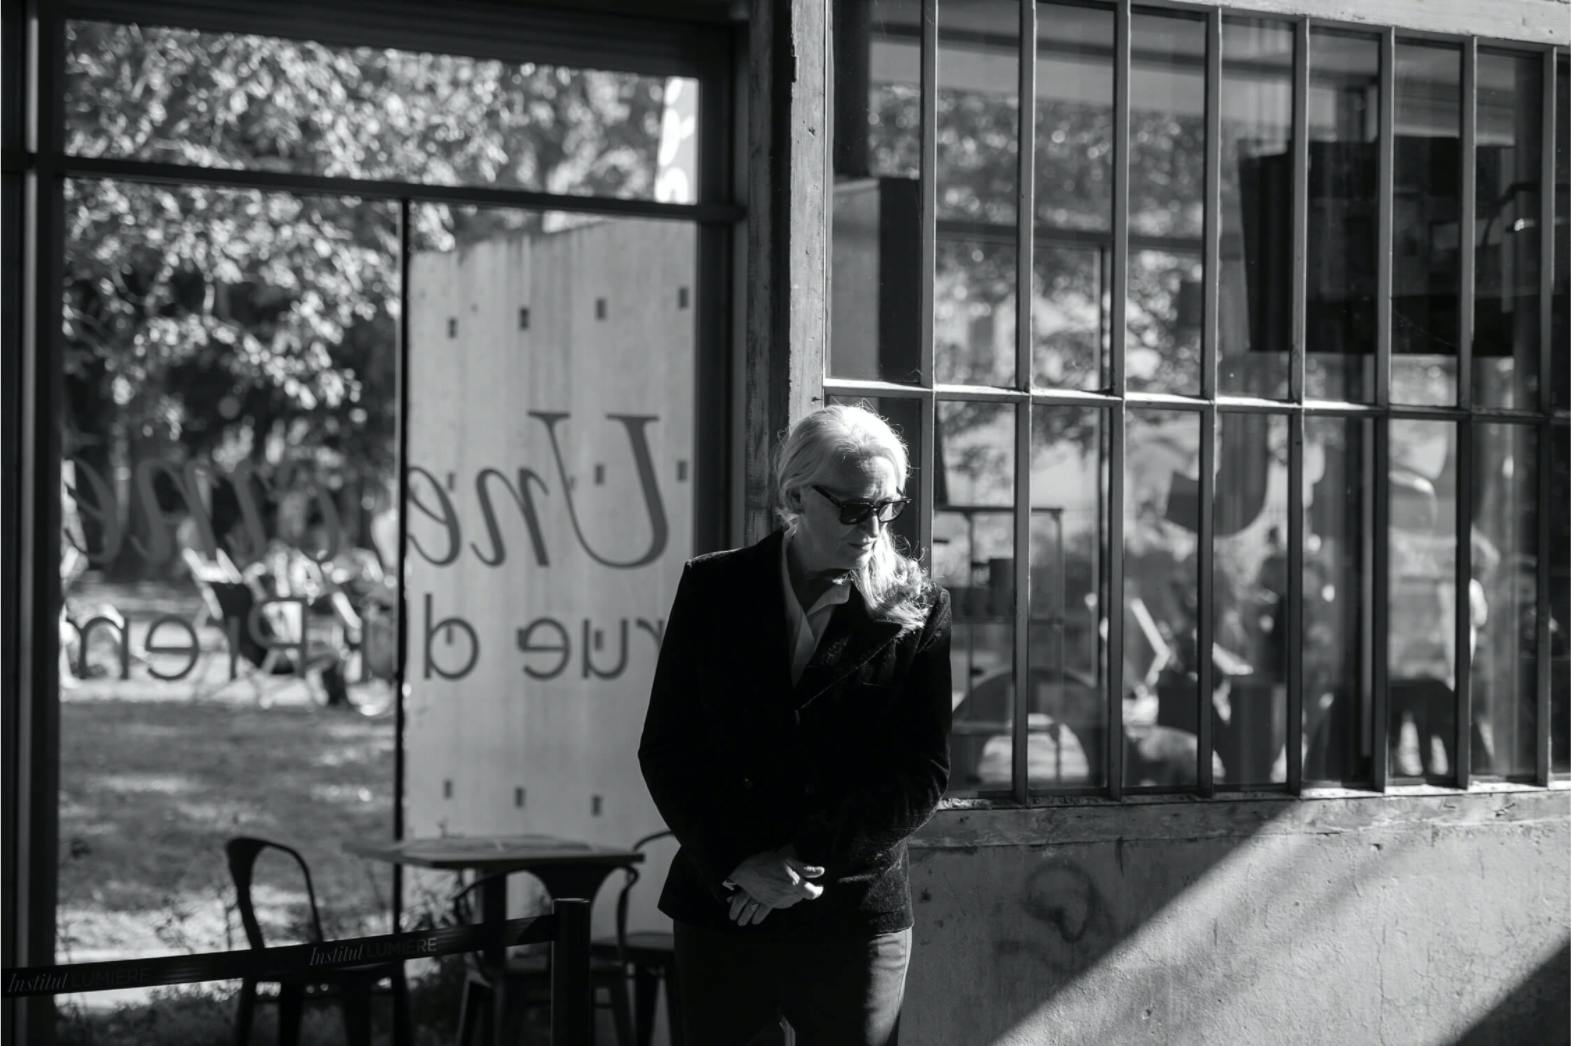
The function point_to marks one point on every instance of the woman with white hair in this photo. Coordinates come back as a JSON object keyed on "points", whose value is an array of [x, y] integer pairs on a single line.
{"points": [[797, 735]]}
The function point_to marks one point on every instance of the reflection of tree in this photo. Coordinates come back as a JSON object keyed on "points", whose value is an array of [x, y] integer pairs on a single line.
{"points": [[217, 319], [1074, 146]]}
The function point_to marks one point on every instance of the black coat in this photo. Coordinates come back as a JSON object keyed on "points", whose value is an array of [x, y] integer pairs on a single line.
{"points": [[845, 765]]}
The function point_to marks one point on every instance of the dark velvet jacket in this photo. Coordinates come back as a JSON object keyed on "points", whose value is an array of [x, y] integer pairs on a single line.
{"points": [[844, 765]]}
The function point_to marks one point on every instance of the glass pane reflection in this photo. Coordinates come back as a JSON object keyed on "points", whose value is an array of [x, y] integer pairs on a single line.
{"points": [[974, 556], [1422, 551], [1339, 516], [1506, 249], [1256, 176], [1340, 327], [875, 326], [1250, 599], [1503, 598], [1074, 173], [1167, 183], [1426, 210], [1068, 717], [978, 129], [1161, 517], [1559, 302]]}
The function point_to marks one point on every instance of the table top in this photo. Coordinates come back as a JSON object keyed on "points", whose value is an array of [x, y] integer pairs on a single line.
{"points": [[494, 853]]}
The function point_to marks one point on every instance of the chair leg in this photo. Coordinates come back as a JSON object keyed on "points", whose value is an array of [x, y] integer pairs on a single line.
{"points": [[472, 1007], [245, 1010], [356, 1002], [291, 1003], [645, 988], [621, 1018], [401, 1028]]}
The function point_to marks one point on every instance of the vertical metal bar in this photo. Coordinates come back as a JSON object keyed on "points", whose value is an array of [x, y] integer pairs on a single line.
{"points": [[1296, 602], [1374, 480], [1211, 251], [1467, 226], [1544, 461], [1301, 209], [928, 170], [1547, 404], [1462, 661], [1116, 442], [1117, 321], [1379, 567], [406, 225], [1462, 616], [42, 394], [1022, 603], [1025, 203], [1385, 172]]}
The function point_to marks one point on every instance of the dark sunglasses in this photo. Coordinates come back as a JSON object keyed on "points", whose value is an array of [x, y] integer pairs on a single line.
{"points": [[854, 513]]}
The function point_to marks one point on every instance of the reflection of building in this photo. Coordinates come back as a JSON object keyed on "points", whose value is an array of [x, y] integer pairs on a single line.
{"points": [[1218, 415]]}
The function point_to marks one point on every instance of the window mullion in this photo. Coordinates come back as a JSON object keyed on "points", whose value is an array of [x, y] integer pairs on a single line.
{"points": [[1116, 440], [1547, 405], [1025, 209], [1212, 255], [928, 175], [1462, 613]]}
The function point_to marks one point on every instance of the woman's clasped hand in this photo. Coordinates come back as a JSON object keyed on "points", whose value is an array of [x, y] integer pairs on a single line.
{"points": [[769, 880]]}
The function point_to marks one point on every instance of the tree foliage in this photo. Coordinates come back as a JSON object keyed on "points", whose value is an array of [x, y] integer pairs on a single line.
{"points": [[233, 321]]}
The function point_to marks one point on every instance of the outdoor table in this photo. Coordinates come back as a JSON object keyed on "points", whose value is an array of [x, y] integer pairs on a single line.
{"points": [[565, 867]]}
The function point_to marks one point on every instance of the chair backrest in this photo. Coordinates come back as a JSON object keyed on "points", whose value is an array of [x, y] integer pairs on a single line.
{"points": [[632, 873], [242, 852]]}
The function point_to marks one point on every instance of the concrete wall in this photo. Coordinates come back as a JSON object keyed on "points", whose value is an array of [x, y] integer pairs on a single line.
{"points": [[1423, 918]]}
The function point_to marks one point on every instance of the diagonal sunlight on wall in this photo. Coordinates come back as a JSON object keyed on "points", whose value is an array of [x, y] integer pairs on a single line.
{"points": [[1395, 920]]}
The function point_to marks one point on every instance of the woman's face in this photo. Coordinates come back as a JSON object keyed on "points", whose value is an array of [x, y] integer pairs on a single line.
{"points": [[822, 542]]}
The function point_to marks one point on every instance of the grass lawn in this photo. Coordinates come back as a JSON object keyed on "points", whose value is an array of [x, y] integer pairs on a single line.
{"points": [[151, 786]]}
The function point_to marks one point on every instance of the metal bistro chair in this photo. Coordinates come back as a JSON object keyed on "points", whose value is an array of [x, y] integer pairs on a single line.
{"points": [[649, 956], [352, 986], [526, 981]]}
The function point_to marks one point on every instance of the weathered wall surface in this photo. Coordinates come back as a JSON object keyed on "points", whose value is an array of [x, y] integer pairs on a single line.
{"points": [[1410, 919]]}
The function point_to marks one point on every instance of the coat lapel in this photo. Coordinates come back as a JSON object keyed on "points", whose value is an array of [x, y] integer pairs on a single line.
{"points": [[768, 638], [852, 638]]}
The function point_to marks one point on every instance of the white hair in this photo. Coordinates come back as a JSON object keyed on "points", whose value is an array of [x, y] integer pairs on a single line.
{"points": [[894, 585]]}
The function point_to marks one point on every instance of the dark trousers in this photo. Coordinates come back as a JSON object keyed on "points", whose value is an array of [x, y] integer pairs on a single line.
{"points": [[833, 992]]}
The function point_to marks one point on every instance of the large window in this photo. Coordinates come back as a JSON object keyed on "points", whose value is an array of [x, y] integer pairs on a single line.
{"points": [[1226, 346], [371, 450]]}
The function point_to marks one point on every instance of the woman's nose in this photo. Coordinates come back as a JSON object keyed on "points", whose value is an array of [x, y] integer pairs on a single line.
{"points": [[870, 525]]}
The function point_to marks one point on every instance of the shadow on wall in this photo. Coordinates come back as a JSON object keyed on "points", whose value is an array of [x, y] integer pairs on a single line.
{"points": [[1537, 1010]]}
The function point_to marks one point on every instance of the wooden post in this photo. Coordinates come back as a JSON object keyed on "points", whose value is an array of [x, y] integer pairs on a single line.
{"points": [[788, 235]]}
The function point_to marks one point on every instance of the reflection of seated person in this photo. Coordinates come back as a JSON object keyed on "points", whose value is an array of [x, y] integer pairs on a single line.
{"points": [[1423, 732]]}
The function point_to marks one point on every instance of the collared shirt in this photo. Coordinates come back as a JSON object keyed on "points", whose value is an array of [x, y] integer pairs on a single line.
{"points": [[805, 627]]}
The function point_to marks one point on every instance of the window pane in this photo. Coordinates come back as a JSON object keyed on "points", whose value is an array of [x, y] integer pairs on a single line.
{"points": [[1510, 119], [876, 257], [905, 417], [1339, 517], [1422, 553], [1503, 598], [1167, 190], [979, 118], [551, 508], [1560, 611], [1161, 518], [1345, 123], [1256, 176], [1426, 210], [1250, 599], [974, 557], [1069, 653], [1074, 172], [256, 102], [974, 310], [227, 560], [1563, 233]]}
